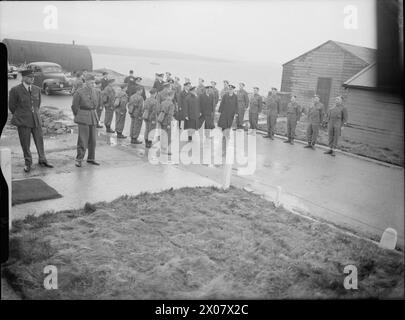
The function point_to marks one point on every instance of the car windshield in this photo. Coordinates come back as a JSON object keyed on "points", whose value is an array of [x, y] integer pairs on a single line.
{"points": [[50, 69]]}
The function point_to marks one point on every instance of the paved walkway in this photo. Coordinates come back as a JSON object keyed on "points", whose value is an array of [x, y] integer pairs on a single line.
{"points": [[361, 195], [349, 191]]}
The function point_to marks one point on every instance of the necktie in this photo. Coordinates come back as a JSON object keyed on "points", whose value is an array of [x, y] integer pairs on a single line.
{"points": [[29, 89]]}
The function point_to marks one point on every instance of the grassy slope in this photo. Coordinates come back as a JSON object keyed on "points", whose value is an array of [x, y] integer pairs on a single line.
{"points": [[194, 243]]}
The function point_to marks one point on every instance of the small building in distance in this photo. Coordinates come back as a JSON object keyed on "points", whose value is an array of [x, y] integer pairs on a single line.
{"points": [[323, 70], [376, 117], [69, 56]]}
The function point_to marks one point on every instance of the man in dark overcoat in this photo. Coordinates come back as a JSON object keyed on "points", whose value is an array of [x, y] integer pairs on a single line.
{"points": [[192, 113], [228, 108], [24, 103], [207, 107]]}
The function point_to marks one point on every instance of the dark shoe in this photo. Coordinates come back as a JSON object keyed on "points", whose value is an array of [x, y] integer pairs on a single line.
{"points": [[329, 152], [308, 146], [271, 138], [266, 136], [98, 126], [121, 136], [109, 130], [78, 163], [136, 141], [287, 141], [27, 168], [45, 164], [93, 162]]}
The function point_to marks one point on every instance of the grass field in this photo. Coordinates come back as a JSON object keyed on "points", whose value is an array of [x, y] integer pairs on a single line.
{"points": [[194, 243], [382, 154]]}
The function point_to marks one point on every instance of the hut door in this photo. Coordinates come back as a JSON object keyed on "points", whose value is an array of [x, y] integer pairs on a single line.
{"points": [[323, 90]]}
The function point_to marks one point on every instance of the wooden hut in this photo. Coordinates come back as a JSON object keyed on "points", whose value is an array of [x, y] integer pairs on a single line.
{"points": [[323, 70], [376, 117]]}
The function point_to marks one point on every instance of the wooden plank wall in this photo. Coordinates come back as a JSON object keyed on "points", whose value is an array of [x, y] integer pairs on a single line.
{"points": [[375, 118]]}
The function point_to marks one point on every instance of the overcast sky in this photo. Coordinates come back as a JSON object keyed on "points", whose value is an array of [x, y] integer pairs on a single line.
{"points": [[257, 31]]}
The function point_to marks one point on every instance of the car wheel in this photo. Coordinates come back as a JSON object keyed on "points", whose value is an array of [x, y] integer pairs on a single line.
{"points": [[47, 90]]}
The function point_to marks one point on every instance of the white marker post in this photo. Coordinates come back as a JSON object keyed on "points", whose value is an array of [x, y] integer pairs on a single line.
{"points": [[5, 162], [277, 203], [388, 239]]}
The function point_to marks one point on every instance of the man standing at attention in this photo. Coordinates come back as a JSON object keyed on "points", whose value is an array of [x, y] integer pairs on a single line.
{"points": [[192, 113], [337, 118], [99, 107], [104, 80], [243, 103], [24, 103], [121, 111], [181, 104], [255, 107], [293, 115], [150, 115], [130, 81], [84, 109], [108, 98], [272, 103], [315, 115], [215, 92], [207, 108], [135, 109], [228, 108]]}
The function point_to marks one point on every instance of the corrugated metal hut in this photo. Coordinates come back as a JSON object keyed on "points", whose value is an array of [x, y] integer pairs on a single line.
{"points": [[376, 117], [323, 70], [70, 57]]}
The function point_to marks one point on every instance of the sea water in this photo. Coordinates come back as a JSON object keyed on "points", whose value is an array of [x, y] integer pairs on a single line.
{"points": [[263, 75]]}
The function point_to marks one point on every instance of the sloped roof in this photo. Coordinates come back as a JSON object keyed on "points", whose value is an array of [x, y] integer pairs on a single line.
{"points": [[368, 55], [366, 78]]}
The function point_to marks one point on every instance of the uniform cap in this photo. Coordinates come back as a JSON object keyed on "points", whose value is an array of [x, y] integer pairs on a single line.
{"points": [[159, 74], [168, 73], [213, 82], [256, 88], [138, 78], [192, 88], [208, 87], [187, 84], [274, 88], [27, 73], [170, 81], [232, 86]]}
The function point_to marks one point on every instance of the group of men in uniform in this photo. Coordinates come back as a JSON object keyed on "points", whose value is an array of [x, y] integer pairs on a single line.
{"points": [[191, 106]]}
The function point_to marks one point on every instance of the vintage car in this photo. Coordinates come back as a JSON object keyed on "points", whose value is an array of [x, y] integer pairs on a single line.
{"points": [[50, 77], [12, 72]]}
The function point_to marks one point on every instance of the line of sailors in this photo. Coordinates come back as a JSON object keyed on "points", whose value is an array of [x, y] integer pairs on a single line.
{"points": [[192, 107]]}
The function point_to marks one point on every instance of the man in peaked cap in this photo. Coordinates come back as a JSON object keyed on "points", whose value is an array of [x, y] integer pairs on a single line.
{"points": [[255, 107], [24, 103], [104, 80], [207, 108], [215, 92], [192, 113], [243, 103], [273, 106], [158, 84], [108, 98], [84, 109], [315, 117]]}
